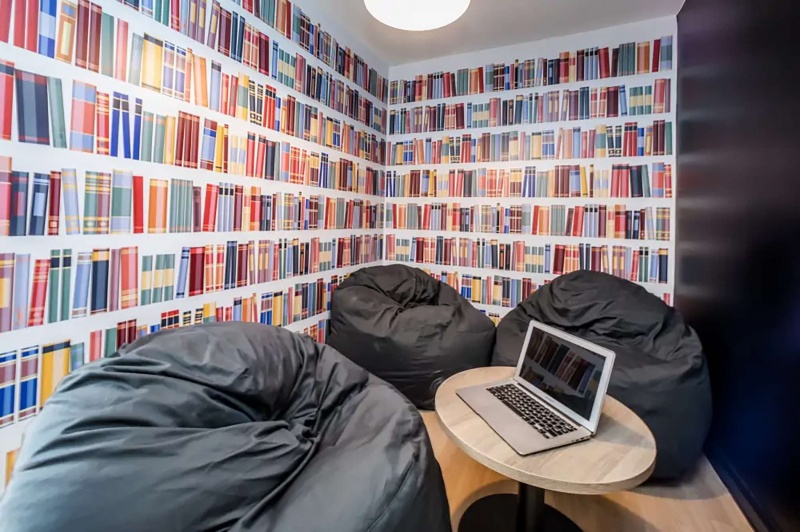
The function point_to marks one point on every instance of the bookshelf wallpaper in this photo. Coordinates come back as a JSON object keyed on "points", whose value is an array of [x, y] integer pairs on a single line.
{"points": [[170, 162], [509, 167]]}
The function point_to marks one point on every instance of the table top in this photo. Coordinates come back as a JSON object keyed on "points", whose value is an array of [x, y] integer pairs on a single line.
{"points": [[619, 457]]}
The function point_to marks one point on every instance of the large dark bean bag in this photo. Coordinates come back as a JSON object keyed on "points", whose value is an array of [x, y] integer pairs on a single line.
{"points": [[409, 329], [660, 371], [225, 427]]}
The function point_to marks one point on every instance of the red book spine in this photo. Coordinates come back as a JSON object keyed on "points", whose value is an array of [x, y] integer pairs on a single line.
{"points": [[196, 270], [175, 15], [251, 155], [194, 141], [237, 208], [101, 113], [121, 59], [95, 345], [5, 20], [241, 265], [224, 95], [656, 56], [95, 18], [122, 333], [6, 98], [19, 23], [263, 53], [32, 23], [138, 204], [210, 211], [255, 209], [233, 93], [224, 40], [54, 203], [39, 292], [130, 325], [82, 34], [129, 277]]}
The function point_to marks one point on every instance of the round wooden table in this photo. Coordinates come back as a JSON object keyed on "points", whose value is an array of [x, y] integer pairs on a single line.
{"points": [[619, 457]]}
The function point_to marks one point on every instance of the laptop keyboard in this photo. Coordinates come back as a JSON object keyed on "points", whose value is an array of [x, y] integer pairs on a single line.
{"points": [[531, 411]]}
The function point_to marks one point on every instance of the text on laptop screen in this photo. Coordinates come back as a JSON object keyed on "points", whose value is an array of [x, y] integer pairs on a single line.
{"points": [[566, 372]]}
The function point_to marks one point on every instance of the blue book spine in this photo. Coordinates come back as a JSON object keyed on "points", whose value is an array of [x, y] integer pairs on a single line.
{"points": [[80, 296], [640, 142], [8, 386], [21, 291], [547, 258], [76, 355], [47, 27], [28, 399], [137, 129], [41, 186], [277, 113], [126, 126], [275, 50], [147, 7], [116, 107], [216, 70], [240, 39], [99, 299], [183, 272], [184, 17], [623, 101]]}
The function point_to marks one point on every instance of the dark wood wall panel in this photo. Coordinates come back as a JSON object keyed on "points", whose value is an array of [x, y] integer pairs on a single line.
{"points": [[738, 238]]}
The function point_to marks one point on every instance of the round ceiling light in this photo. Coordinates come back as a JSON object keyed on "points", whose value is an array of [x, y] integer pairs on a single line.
{"points": [[417, 15]]}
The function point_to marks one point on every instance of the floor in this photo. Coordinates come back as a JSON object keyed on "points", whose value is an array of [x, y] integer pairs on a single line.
{"points": [[699, 502]]}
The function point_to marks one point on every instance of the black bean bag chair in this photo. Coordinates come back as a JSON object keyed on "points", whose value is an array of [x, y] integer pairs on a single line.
{"points": [[660, 371], [409, 329], [225, 427]]}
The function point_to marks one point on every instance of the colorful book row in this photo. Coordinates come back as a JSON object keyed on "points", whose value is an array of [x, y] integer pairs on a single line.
{"points": [[516, 256], [106, 280], [177, 140], [193, 19], [639, 264], [101, 123], [497, 290], [588, 221], [118, 203], [536, 108], [97, 41], [627, 59], [630, 140], [563, 181], [30, 375]]}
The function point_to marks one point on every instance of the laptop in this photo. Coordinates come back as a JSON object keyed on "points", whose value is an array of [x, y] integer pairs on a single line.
{"points": [[555, 397]]}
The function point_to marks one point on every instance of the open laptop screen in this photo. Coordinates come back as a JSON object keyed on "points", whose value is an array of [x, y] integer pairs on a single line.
{"points": [[566, 372]]}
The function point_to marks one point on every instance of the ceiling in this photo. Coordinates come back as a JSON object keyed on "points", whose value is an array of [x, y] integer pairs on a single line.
{"points": [[488, 24]]}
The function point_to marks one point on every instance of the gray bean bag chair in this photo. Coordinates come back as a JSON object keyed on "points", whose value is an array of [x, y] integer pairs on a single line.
{"points": [[225, 426], [660, 371], [409, 329]]}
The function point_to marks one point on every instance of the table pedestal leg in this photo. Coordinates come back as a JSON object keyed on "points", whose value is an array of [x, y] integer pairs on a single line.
{"points": [[511, 513]]}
